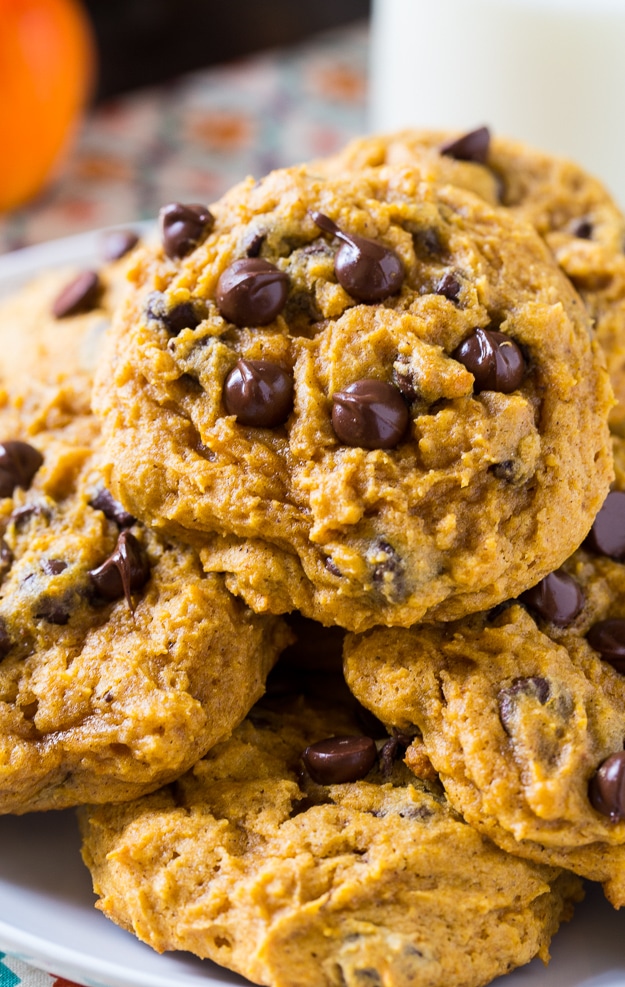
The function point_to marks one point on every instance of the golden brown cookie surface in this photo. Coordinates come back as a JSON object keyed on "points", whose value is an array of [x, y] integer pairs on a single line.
{"points": [[430, 450], [522, 710], [572, 211], [121, 661], [288, 881]]}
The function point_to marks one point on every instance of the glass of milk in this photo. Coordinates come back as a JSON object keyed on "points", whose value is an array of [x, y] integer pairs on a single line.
{"points": [[547, 72]]}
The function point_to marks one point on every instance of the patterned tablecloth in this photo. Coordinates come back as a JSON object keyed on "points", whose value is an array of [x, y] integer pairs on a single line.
{"points": [[189, 141]]}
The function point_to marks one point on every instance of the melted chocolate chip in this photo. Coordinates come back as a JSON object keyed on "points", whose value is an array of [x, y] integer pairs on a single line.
{"points": [[185, 315], [607, 535], [126, 569], [251, 292], [448, 286], [5, 640], [19, 462], [331, 566], [340, 759], [259, 393], [494, 359], [369, 413], [504, 471], [111, 508], [80, 295], [366, 269], [183, 227], [254, 246], [427, 242], [607, 788], [583, 229], [118, 243], [52, 611], [534, 687], [557, 598], [23, 514], [472, 146], [608, 638], [388, 569], [52, 567]]}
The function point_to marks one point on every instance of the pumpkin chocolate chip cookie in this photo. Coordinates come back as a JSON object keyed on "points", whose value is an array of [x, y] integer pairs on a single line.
{"points": [[521, 710], [572, 211], [369, 397], [290, 856], [121, 661]]}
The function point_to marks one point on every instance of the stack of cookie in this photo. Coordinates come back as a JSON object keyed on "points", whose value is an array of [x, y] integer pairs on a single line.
{"points": [[355, 414]]}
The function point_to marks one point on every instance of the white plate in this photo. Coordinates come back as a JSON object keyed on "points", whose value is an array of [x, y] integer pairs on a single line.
{"points": [[47, 916]]}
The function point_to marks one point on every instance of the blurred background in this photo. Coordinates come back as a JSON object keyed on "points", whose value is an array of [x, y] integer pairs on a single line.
{"points": [[110, 108]]}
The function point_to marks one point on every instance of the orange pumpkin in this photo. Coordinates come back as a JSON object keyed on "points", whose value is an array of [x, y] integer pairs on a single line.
{"points": [[47, 59]]}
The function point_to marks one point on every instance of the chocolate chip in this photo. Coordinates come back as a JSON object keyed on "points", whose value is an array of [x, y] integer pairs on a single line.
{"points": [[254, 246], [472, 146], [118, 243], [331, 566], [52, 611], [126, 569], [23, 514], [583, 229], [534, 687], [607, 535], [427, 242], [608, 638], [185, 315], [111, 508], [494, 359], [366, 269], [340, 759], [6, 558], [607, 788], [504, 471], [448, 286], [369, 413], [19, 462], [5, 640], [557, 598], [251, 292], [80, 295], [388, 569], [259, 393], [183, 227], [52, 567]]}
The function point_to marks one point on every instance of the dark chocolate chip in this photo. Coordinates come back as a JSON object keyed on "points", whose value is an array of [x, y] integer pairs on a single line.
{"points": [[473, 146], [494, 359], [80, 295], [607, 535], [254, 246], [331, 566], [23, 514], [183, 227], [259, 393], [5, 640], [111, 508], [118, 243], [583, 229], [557, 598], [52, 567], [427, 241], [607, 788], [125, 570], [185, 315], [6, 558], [19, 462], [52, 611], [251, 292], [608, 638], [448, 286], [340, 759], [534, 687], [369, 413], [366, 269], [388, 569], [504, 471]]}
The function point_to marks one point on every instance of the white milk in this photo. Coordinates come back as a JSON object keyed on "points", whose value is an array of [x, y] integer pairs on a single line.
{"points": [[549, 72]]}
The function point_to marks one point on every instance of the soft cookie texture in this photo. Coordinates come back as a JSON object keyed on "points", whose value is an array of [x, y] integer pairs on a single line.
{"points": [[368, 397], [121, 661], [248, 861], [574, 213], [521, 710]]}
